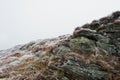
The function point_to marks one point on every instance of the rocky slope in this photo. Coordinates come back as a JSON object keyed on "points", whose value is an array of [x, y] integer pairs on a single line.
{"points": [[92, 52]]}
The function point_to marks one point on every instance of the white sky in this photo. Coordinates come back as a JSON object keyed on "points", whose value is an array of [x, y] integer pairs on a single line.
{"points": [[22, 21]]}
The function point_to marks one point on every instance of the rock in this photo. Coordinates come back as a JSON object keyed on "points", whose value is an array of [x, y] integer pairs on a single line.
{"points": [[85, 33], [81, 44], [104, 31], [80, 71], [92, 52], [61, 50]]}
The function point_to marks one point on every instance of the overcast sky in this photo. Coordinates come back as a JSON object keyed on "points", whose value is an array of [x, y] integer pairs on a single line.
{"points": [[22, 21]]}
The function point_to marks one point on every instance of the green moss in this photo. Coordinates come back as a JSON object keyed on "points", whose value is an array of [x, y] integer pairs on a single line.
{"points": [[60, 51], [79, 40], [82, 43]]}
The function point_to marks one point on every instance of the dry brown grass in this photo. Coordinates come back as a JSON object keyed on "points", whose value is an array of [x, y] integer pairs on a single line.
{"points": [[106, 62]]}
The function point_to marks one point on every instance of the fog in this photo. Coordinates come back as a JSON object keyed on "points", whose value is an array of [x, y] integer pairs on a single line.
{"points": [[22, 21]]}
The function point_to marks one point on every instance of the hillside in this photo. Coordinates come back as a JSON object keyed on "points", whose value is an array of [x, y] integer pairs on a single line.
{"points": [[92, 52]]}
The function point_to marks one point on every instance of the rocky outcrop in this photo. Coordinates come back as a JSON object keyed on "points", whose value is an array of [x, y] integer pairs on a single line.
{"points": [[105, 32], [92, 52]]}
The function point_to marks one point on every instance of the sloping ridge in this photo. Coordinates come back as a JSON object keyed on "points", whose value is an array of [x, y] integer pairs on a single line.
{"points": [[92, 52]]}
